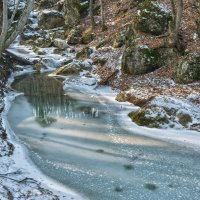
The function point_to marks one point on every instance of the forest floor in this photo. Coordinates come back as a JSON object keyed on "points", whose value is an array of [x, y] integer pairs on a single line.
{"points": [[120, 14]]}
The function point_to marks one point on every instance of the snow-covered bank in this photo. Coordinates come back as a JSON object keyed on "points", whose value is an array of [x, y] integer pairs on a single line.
{"points": [[20, 176], [181, 137]]}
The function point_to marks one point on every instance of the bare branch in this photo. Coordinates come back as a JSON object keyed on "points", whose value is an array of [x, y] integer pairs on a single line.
{"points": [[22, 21], [16, 6]]}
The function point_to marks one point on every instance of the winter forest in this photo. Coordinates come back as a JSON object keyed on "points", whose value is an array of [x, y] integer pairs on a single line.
{"points": [[99, 99]]}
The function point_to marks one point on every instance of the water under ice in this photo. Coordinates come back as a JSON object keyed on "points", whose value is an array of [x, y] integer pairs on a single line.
{"points": [[76, 139]]}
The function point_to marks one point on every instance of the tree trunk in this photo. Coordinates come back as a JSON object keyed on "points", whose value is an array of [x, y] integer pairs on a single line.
{"points": [[91, 12], [103, 25], [4, 25], [5, 39], [21, 23], [177, 12]]}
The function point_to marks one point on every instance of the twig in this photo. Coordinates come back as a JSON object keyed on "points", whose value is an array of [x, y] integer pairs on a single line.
{"points": [[9, 193], [19, 181]]}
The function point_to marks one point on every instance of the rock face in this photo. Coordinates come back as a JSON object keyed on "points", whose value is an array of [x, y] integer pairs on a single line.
{"points": [[75, 36], [152, 18], [72, 15], [51, 19], [142, 59], [168, 112], [188, 69]]}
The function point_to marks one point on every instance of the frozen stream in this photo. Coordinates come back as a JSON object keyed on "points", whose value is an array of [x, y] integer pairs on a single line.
{"points": [[76, 139]]}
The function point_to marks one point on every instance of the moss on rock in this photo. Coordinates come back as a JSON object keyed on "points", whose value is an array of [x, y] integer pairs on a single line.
{"points": [[50, 20], [140, 118], [87, 36], [152, 18], [188, 69], [139, 59], [184, 119], [84, 53]]}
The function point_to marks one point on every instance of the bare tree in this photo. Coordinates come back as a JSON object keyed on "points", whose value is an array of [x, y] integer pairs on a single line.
{"points": [[8, 33], [72, 15], [103, 24], [91, 13], [177, 12]]}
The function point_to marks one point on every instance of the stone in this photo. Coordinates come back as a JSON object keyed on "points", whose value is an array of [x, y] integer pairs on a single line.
{"points": [[88, 81], [152, 18], [38, 67], [119, 40], [50, 62], [168, 112], [74, 36], [51, 19], [44, 4], [30, 35], [139, 59], [43, 42], [57, 34], [84, 53], [184, 119], [61, 44], [188, 69], [87, 36], [69, 69]]}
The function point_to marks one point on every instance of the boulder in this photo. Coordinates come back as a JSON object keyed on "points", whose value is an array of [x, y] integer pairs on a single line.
{"points": [[69, 69], [188, 69], [43, 42], [46, 4], [139, 59], [74, 36], [84, 53], [50, 19], [57, 34], [61, 44], [30, 35], [168, 112], [87, 36], [152, 18], [88, 81], [38, 67]]}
